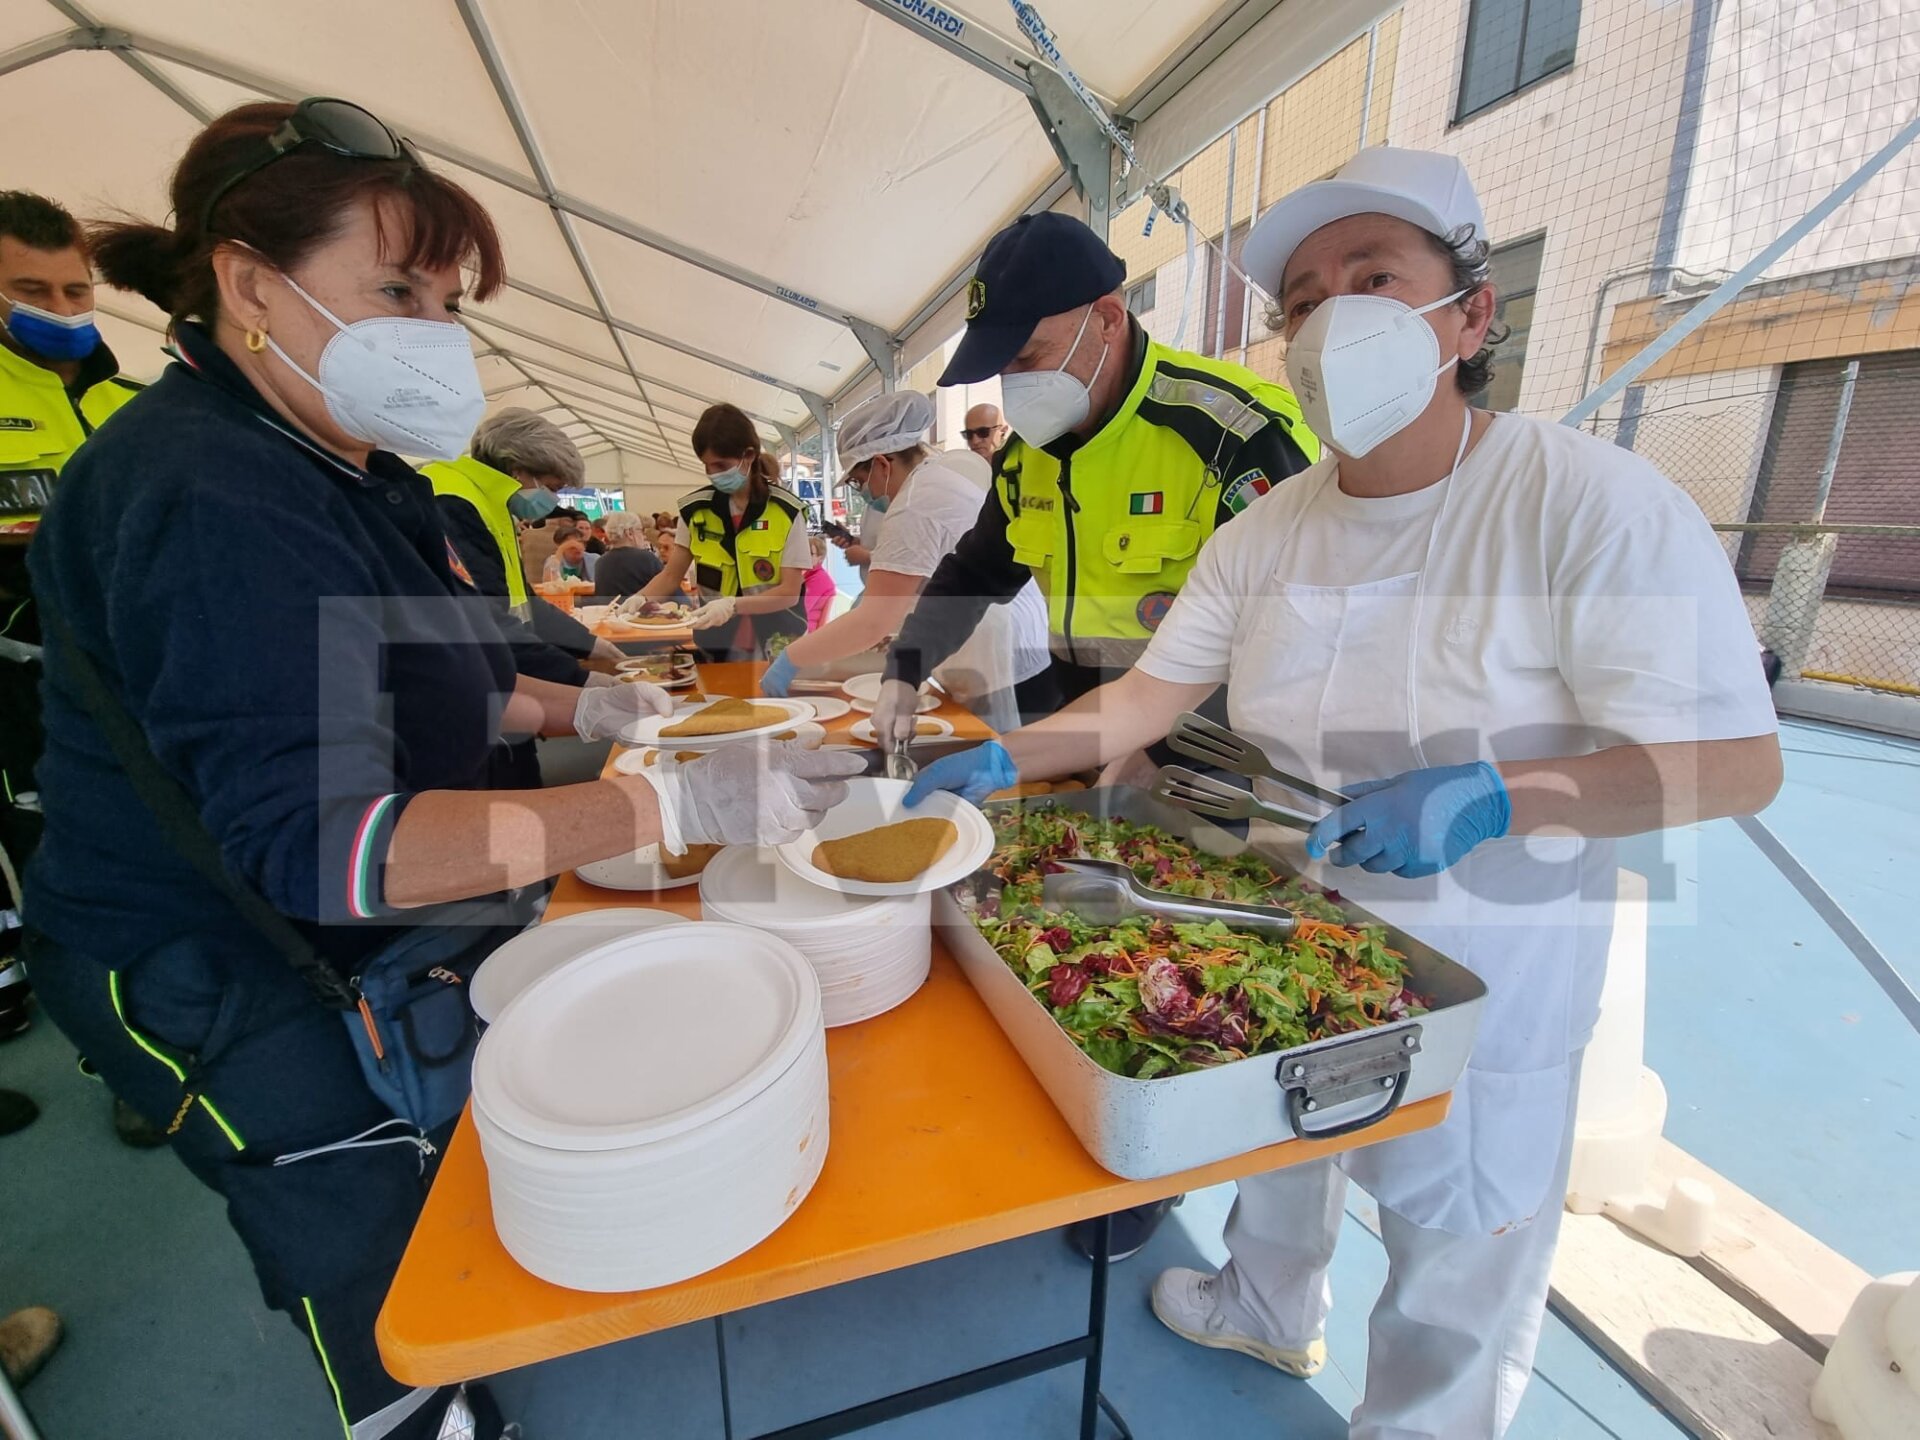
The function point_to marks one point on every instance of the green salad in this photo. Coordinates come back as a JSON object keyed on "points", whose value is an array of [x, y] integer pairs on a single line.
{"points": [[1150, 997]]}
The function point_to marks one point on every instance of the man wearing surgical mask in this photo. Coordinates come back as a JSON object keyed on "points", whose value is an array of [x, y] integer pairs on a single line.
{"points": [[58, 380], [1125, 456]]}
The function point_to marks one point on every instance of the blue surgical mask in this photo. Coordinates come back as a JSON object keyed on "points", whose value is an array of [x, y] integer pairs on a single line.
{"points": [[878, 502], [534, 504], [728, 481], [50, 336]]}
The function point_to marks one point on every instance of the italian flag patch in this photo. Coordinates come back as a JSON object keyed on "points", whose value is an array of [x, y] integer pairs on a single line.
{"points": [[1151, 503]]}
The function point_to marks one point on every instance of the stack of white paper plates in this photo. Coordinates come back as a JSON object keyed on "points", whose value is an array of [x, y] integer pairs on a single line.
{"points": [[654, 1108], [536, 953], [869, 954]]}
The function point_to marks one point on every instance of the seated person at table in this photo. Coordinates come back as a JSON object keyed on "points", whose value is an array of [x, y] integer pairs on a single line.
{"points": [[629, 562], [570, 561]]}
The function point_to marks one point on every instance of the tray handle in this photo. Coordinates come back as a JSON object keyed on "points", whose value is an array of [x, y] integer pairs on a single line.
{"points": [[1364, 1064], [1298, 1104]]}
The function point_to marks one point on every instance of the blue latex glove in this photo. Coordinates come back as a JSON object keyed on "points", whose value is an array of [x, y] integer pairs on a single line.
{"points": [[1415, 824], [971, 774], [779, 677]]}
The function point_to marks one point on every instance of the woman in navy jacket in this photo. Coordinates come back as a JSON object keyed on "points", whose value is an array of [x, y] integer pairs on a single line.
{"points": [[326, 695]]}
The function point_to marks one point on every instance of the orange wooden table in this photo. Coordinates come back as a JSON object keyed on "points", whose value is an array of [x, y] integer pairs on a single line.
{"points": [[941, 1141]]}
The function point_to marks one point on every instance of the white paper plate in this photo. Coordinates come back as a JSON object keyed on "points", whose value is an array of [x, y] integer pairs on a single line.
{"points": [[605, 1054], [684, 680], [646, 731], [653, 622], [684, 667], [864, 691], [641, 870], [680, 659], [632, 762], [535, 953], [871, 803], [927, 702], [863, 729], [826, 707]]}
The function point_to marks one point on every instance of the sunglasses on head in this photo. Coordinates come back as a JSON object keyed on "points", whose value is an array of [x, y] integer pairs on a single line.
{"points": [[985, 432], [339, 126]]}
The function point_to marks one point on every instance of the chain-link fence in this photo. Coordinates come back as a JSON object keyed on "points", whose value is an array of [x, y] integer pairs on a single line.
{"points": [[1630, 156], [1810, 478]]}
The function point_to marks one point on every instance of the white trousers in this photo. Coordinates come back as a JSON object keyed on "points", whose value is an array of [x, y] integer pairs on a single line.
{"points": [[1451, 1340]]}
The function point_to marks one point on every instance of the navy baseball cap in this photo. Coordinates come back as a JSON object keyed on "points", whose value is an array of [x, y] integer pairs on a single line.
{"points": [[1041, 265]]}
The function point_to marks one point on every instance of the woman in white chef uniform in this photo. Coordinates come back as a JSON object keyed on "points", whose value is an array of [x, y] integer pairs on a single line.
{"points": [[1538, 639], [929, 503]]}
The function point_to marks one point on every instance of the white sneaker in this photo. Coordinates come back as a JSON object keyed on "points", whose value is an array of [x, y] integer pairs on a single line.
{"points": [[1187, 1303]]}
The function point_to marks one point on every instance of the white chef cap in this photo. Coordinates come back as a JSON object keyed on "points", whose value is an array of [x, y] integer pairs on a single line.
{"points": [[884, 425]]}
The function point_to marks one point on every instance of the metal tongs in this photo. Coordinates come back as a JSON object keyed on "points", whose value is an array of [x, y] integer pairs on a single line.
{"points": [[900, 765], [1219, 747], [1103, 892]]}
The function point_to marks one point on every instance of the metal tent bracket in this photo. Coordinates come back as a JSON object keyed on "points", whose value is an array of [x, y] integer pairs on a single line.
{"points": [[1083, 146], [881, 347]]}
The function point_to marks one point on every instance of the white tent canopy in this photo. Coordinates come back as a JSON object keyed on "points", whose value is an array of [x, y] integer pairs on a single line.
{"points": [[771, 202]]}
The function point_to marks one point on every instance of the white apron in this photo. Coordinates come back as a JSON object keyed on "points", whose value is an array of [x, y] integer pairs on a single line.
{"points": [[1329, 685]]}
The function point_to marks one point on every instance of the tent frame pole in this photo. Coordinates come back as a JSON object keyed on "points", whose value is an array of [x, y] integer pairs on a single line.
{"points": [[90, 36]]}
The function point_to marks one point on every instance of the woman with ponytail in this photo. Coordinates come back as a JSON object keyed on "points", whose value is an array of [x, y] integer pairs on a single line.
{"points": [[264, 778], [745, 537]]}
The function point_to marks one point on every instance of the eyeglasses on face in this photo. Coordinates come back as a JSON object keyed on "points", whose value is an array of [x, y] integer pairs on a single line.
{"points": [[985, 432]]}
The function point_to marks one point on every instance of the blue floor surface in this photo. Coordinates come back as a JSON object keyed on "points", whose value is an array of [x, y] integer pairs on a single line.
{"points": [[1787, 1069]]}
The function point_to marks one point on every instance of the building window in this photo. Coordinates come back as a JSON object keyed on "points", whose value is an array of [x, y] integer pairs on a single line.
{"points": [[1515, 273], [1872, 477], [1510, 45], [1141, 297], [1223, 322]]}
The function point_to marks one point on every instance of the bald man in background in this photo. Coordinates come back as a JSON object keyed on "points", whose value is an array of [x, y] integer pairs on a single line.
{"points": [[985, 431]]}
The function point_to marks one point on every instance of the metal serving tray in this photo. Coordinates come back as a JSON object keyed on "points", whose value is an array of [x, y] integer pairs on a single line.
{"points": [[1140, 1129]]}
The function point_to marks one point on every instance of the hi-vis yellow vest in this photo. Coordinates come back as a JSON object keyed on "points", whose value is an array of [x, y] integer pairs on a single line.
{"points": [[753, 556], [487, 490], [41, 425], [1112, 534]]}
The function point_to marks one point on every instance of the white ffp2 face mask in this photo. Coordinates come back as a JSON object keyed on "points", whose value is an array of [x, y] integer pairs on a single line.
{"points": [[1363, 368], [398, 383], [1043, 405]]}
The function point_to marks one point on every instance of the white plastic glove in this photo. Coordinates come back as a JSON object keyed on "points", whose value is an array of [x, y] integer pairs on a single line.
{"points": [[894, 714], [631, 605], [607, 650], [604, 710], [598, 680], [713, 613], [747, 794]]}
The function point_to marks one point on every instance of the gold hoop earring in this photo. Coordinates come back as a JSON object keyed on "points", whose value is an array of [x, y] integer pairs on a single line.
{"points": [[256, 341]]}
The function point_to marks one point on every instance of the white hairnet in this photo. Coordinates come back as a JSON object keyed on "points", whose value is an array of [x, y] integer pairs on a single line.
{"points": [[884, 425]]}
